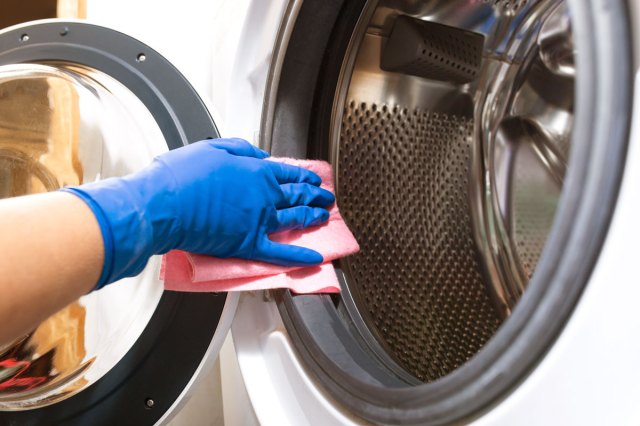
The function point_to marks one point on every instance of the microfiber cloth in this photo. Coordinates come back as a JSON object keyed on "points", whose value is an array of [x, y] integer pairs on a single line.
{"points": [[183, 271]]}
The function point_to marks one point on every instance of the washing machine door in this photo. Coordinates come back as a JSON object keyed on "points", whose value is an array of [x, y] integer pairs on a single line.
{"points": [[80, 103]]}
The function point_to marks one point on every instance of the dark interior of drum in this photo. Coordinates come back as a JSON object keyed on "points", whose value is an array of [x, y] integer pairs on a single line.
{"points": [[450, 141]]}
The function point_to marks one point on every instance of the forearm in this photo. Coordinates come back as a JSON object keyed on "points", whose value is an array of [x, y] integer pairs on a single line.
{"points": [[51, 253], [214, 197]]}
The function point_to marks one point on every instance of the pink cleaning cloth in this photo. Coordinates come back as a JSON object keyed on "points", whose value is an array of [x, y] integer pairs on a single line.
{"points": [[183, 271]]}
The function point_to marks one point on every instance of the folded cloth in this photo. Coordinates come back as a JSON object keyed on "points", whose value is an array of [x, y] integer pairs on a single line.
{"points": [[193, 272]]}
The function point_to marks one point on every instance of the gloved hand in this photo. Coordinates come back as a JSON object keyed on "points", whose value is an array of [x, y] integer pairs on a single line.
{"points": [[216, 197]]}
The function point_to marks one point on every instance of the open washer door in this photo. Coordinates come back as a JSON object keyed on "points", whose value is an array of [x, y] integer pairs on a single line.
{"points": [[79, 103]]}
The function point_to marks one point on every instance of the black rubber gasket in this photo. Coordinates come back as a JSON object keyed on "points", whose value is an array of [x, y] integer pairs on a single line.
{"points": [[172, 346], [605, 90]]}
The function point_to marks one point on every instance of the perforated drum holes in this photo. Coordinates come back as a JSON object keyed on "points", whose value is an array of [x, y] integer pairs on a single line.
{"points": [[535, 198], [403, 190], [507, 5]]}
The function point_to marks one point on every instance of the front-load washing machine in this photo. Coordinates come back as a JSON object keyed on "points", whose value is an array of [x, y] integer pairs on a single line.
{"points": [[484, 157]]}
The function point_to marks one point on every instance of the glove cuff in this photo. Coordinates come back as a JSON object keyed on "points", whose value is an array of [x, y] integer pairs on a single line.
{"points": [[127, 234], [105, 229]]}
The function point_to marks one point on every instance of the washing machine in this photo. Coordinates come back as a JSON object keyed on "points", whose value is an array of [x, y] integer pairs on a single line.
{"points": [[485, 154], [485, 159]]}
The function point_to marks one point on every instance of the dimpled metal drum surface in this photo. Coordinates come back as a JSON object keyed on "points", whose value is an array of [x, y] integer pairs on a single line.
{"points": [[507, 5], [535, 199], [403, 190]]}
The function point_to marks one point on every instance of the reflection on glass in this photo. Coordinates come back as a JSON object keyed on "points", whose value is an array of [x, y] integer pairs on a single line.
{"points": [[39, 126], [62, 124], [44, 358]]}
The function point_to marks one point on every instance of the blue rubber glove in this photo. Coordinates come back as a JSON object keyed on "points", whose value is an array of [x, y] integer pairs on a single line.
{"points": [[216, 197]]}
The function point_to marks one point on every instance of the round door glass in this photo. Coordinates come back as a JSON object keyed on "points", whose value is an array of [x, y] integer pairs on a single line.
{"points": [[62, 124]]}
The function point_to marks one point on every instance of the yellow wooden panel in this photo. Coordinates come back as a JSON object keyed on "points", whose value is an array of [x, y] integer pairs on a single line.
{"points": [[72, 9]]}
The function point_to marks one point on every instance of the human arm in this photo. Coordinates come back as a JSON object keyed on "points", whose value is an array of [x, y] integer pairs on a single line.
{"points": [[216, 197], [51, 253]]}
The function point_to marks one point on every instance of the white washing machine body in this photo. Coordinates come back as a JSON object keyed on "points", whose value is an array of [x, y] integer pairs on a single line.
{"points": [[587, 376]]}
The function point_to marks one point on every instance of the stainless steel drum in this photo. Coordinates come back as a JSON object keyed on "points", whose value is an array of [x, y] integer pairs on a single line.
{"points": [[478, 148], [450, 168]]}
